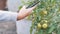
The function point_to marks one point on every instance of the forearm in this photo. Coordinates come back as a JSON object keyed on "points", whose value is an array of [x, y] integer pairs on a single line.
{"points": [[22, 16], [11, 16]]}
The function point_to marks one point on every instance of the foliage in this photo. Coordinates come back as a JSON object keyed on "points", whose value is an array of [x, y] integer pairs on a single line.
{"points": [[46, 17]]}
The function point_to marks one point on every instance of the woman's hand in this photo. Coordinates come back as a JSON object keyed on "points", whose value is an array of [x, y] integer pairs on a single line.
{"points": [[24, 12]]}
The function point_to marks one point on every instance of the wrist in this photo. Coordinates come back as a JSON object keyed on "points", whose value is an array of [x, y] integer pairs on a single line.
{"points": [[21, 16]]}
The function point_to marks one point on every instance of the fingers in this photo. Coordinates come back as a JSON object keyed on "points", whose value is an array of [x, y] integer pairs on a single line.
{"points": [[30, 8], [33, 7]]}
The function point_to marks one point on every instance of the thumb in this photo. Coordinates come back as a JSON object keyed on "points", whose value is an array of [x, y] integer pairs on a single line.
{"points": [[24, 7]]}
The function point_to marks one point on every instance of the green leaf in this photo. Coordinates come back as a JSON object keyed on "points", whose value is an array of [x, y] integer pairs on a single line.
{"points": [[46, 31], [40, 32], [19, 7], [58, 30], [52, 28], [32, 27]]}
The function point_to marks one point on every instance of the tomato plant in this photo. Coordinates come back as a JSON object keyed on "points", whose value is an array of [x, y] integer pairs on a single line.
{"points": [[46, 17]]}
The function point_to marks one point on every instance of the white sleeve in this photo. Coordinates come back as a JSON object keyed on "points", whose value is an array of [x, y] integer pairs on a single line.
{"points": [[8, 16]]}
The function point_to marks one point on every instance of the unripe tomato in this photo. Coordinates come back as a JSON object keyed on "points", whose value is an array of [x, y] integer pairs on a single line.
{"points": [[39, 25], [44, 12], [45, 21], [45, 26]]}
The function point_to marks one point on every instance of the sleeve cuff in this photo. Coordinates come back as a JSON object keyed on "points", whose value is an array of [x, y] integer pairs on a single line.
{"points": [[13, 16]]}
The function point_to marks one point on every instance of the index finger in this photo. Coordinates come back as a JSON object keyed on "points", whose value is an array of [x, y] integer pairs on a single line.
{"points": [[33, 7]]}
